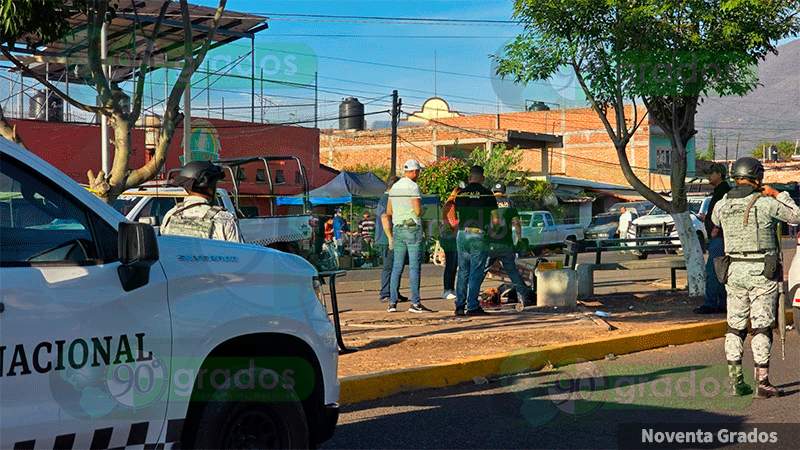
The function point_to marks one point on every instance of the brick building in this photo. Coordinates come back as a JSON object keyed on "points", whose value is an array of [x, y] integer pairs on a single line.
{"points": [[567, 143], [74, 148]]}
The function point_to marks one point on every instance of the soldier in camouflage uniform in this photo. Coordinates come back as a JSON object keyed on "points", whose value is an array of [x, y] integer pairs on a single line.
{"points": [[196, 216], [748, 215]]}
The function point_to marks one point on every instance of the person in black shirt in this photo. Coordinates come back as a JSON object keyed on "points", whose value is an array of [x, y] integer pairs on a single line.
{"points": [[474, 206], [716, 296], [504, 227]]}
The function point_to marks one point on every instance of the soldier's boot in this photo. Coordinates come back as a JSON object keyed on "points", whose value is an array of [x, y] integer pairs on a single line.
{"points": [[736, 377], [765, 389]]}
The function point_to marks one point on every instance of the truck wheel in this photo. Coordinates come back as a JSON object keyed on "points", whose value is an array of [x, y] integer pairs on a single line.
{"points": [[642, 255], [251, 425]]}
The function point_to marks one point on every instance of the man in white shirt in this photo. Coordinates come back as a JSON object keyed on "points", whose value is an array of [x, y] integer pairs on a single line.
{"points": [[625, 219], [404, 209]]}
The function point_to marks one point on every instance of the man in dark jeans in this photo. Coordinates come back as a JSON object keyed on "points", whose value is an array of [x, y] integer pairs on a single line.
{"points": [[383, 246], [504, 226], [716, 296], [474, 206]]}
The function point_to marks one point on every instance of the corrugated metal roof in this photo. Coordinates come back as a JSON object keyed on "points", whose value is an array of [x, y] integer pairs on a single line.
{"points": [[129, 33]]}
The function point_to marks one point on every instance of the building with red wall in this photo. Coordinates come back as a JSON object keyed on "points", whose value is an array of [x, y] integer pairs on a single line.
{"points": [[74, 148]]}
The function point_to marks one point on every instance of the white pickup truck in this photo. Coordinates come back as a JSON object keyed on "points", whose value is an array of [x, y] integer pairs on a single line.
{"points": [[541, 230], [149, 204], [113, 337], [658, 223]]}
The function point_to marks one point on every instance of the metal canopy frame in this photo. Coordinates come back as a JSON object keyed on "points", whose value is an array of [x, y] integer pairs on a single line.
{"points": [[128, 35]]}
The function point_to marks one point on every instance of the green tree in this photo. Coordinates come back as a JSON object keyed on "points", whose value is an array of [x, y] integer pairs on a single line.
{"points": [[500, 164], [668, 54], [441, 177], [711, 151], [32, 21], [785, 149]]}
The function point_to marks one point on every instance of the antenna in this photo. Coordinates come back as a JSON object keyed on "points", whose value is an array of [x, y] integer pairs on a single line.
{"points": [[435, 73]]}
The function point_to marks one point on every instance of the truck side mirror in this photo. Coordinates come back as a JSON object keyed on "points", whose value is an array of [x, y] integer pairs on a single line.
{"points": [[149, 220], [138, 250]]}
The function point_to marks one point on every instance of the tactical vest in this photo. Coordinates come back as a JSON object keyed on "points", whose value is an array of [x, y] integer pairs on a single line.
{"points": [[201, 227], [754, 235]]}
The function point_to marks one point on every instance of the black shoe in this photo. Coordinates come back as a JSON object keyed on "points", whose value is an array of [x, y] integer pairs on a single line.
{"points": [[460, 312], [705, 310], [401, 298], [419, 308], [477, 312]]}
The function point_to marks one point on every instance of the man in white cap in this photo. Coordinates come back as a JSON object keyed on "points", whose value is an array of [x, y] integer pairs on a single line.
{"points": [[404, 211]]}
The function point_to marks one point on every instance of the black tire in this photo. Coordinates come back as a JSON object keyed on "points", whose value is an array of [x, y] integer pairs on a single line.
{"points": [[642, 255], [251, 425]]}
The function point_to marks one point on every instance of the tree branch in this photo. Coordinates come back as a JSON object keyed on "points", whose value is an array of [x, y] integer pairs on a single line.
{"points": [[172, 116], [138, 93], [7, 130], [96, 18], [26, 70]]}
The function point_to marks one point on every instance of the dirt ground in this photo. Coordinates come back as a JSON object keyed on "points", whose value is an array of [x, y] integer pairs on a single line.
{"points": [[388, 341]]}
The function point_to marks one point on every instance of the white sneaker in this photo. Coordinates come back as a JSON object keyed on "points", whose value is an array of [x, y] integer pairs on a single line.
{"points": [[449, 295]]}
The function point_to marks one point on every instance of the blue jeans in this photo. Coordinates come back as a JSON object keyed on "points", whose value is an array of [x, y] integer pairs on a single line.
{"points": [[472, 255], [407, 240], [387, 255], [509, 262], [716, 296]]}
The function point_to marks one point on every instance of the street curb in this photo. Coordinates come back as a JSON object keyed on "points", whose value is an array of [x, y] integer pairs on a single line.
{"points": [[359, 388]]}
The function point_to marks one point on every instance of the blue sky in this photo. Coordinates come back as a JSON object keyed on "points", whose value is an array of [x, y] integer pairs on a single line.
{"points": [[470, 87], [465, 50]]}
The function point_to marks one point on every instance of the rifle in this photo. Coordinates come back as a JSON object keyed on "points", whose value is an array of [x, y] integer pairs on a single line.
{"points": [[781, 296]]}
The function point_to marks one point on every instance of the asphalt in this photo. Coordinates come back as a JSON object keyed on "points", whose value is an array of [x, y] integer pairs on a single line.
{"points": [[585, 405]]}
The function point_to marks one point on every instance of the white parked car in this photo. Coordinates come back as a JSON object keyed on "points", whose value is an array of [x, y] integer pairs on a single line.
{"points": [[113, 337]]}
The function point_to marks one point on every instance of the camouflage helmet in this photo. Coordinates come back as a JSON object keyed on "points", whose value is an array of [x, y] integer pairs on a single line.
{"points": [[748, 168]]}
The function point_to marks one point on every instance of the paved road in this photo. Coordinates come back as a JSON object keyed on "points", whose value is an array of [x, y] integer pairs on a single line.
{"points": [[579, 406]]}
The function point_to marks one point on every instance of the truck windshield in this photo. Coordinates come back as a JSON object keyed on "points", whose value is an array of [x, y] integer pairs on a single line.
{"points": [[525, 219], [125, 205]]}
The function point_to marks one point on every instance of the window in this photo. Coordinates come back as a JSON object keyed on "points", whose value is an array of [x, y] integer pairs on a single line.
{"points": [[280, 177], [297, 178], [40, 224], [664, 160], [157, 208], [241, 175], [261, 176], [549, 220], [538, 221]]}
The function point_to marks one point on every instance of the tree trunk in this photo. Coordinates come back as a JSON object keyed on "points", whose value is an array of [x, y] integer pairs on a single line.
{"points": [[692, 253]]}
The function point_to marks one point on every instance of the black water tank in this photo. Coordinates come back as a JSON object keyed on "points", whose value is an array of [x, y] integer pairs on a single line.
{"points": [[55, 108], [538, 106], [351, 114]]}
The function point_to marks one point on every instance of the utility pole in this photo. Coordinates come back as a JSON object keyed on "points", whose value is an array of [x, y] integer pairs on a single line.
{"points": [[316, 99], [395, 116], [105, 158], [738, 137]]}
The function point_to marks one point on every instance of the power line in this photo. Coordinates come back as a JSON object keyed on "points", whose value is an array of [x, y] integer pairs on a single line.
{"points": [[392, 36]]}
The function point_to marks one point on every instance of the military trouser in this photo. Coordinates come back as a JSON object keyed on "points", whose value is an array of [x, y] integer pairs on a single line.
{"points": [[750, 295]]}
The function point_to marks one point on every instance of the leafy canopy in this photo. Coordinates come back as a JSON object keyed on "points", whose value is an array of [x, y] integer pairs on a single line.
{"points": [[37, 20]]}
